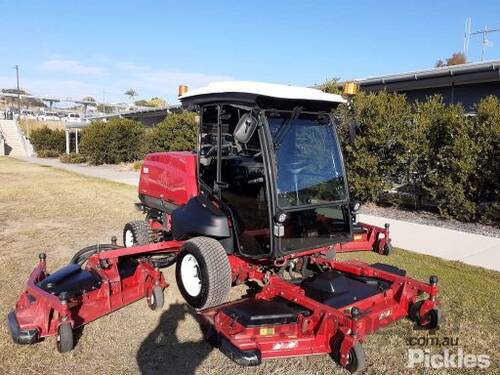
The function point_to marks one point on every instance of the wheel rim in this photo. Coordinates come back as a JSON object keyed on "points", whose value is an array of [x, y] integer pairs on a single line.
{"points": [[129, 238], [190, 275]]}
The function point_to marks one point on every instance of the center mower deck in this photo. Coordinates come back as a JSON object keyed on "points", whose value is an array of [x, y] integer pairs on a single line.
{"points": [[329, 313]]}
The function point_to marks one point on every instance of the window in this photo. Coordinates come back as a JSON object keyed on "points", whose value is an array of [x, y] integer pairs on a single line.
{"points": [[208, 147], [308, 159]]}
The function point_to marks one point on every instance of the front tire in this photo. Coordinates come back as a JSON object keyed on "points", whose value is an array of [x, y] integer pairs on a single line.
{"points": [[203, 272], [136, 233]]}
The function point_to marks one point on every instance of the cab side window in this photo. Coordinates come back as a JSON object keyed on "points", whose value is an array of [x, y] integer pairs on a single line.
{"points": [[209, 140]]}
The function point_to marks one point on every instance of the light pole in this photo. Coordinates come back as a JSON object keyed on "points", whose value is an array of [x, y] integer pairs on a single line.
{"points": [[18, 92]]}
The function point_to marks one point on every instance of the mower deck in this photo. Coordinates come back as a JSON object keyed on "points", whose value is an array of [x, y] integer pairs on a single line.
{"points": [[74, 296], [330, 313]]}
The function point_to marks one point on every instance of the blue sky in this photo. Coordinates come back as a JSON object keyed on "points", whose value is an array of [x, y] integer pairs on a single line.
{"points": [[78, 48]]}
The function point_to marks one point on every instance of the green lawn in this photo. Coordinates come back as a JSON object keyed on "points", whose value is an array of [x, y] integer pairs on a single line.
{"points": [[46, 209]]}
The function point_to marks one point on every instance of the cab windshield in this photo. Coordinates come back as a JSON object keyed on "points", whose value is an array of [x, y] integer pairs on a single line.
{"points": [[309, 166]]}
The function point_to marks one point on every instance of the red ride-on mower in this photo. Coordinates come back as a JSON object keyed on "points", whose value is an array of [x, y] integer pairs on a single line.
{"points": [[98, 280], [265, 202]]}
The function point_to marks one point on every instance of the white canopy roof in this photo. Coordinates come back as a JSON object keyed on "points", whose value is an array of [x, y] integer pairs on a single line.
{"points": [[265, 89]]}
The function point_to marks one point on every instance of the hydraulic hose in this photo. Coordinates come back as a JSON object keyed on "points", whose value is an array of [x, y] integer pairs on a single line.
{"points": [[81, 256]]}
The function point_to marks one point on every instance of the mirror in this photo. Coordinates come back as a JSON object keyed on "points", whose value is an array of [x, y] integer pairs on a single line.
{"points": [[245, 128], [354, 205]]}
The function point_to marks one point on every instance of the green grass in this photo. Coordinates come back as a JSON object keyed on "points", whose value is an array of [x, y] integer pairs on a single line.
{"points": [[46, 209]]}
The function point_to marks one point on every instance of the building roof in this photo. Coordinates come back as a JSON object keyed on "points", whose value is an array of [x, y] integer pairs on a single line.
{"points": [[260, 89], [456, 74]]}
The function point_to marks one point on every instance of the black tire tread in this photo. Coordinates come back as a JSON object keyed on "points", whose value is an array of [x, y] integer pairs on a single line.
{"points": [[218, 270], [360, 363], [158, 299], [141, 230], [387, 249], [66, 341]]}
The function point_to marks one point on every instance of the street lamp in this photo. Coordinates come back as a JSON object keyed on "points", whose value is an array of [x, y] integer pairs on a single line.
{"points": [[18, 92]]}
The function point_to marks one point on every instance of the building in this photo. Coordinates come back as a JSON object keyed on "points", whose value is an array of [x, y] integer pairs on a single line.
{"points": [[465, 84]]}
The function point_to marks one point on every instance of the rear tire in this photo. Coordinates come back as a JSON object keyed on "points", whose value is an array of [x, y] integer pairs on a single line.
{"points": [[203, 272], [65, 340], [137, 232]]}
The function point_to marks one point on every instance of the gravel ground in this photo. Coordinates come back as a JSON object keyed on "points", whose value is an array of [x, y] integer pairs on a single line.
{"points": [[429, 218]]}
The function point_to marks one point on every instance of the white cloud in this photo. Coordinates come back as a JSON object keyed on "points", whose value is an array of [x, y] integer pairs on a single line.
{"points": [[72, 67], [129, 67], [69, 78], [162, 78]]}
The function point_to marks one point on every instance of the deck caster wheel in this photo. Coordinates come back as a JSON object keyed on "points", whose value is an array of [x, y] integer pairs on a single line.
{"points": [[387, 249], [137, 232], [356, 361], [413, 311], [203, 272], [64, 338], [432, 321], [157, 299]]}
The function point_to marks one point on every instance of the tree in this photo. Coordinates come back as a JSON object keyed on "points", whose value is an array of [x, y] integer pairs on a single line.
{"points": [[89, 99], [157, 102], [153, 102], [141, 103], [331, 86], [131, 93], [439, 64], [456, 58]]}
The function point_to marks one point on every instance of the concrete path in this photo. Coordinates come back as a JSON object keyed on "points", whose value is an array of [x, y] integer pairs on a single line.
{"points": [[469, 248], [440, 242], [107, 172]]}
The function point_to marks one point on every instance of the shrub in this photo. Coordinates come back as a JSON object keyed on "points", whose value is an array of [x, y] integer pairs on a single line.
{"points": [[137, 165], [72, 158], [447, 157], [48, 139], [48, 153], [435, 150], [118, 140], [376, 158], [486, 133], [178, 132]]}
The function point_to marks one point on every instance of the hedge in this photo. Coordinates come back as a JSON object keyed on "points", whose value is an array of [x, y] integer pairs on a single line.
{"points": [[45, 139], [116, 141], [177, 132], [447, 157]]}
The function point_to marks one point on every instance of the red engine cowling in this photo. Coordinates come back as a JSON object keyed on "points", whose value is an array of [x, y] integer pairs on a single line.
{"points": [[169, 176]]}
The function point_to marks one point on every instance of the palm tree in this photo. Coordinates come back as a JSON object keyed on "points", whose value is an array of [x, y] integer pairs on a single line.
{"points": [[131, 93]]}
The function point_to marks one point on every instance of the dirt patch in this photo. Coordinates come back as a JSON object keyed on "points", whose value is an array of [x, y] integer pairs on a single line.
{"points": [[50, 210]]}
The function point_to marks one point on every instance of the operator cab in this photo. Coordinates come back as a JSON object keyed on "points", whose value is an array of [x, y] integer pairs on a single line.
{"points": [[269, 158]]}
